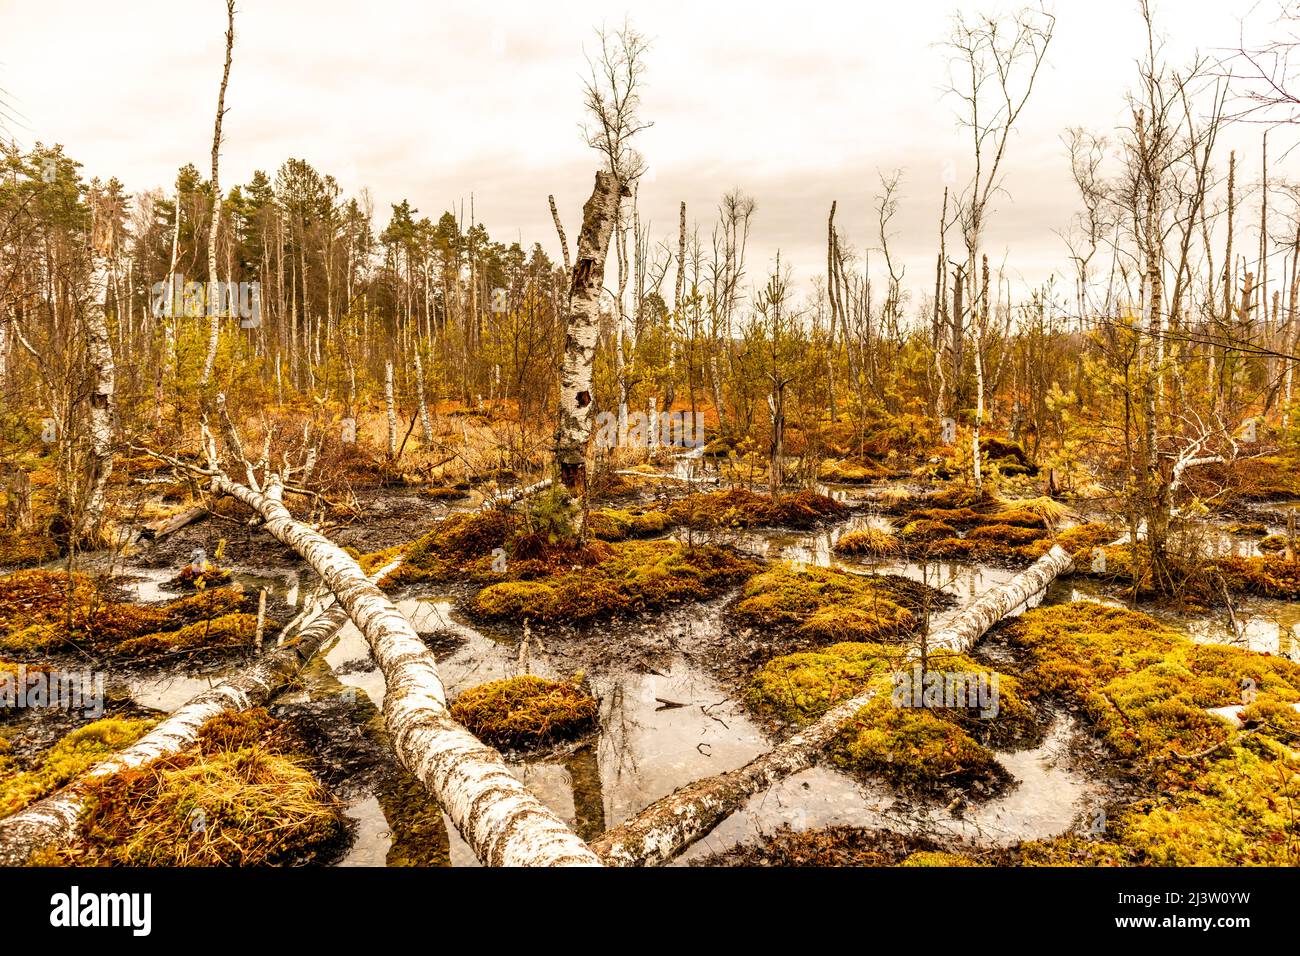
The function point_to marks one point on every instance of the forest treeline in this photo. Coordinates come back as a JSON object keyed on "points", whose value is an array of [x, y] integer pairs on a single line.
{"points": [[1164, 343]]}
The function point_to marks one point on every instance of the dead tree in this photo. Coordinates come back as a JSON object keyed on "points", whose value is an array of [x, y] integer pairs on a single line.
{"points": [[214, 307]]}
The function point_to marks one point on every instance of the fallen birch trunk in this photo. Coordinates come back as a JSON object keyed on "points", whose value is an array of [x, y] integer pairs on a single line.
{"points": [[497, 815], [666, 828], [54, 819]]}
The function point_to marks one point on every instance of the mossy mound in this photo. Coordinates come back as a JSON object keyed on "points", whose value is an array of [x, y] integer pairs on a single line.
{"points": [[1223, 795], [49, 611], [870, 542], [1272, 576], [1015, 544], [445, 493], [526, 711], [740, 508], [239, 799], [68, 759], [918, 748], [1273, 542], [621, 580], [618, 525], [828, 605], [932, 858], [926, 529], [851, 471], [458, 541]]}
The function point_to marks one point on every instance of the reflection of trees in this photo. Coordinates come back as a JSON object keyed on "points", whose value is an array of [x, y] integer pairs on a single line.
{"points": [[415, 820], [583, 766]]}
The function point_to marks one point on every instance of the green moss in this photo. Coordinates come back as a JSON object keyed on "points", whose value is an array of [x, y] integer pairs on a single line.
{"points": [[1008, 534], [526, 711], [20, 549], [630, 577], [1271, 576], [615, 525], [915, 748], [209, 618], [829, 605], [236, 800], [1224, 797], [456, 541], [930, 858], [924, 529], [68, 759], [851, 471], [798, 688], [225, 632], [1273, 542]]}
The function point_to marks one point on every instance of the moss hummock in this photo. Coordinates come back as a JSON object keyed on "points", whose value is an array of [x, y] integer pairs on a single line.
{"points": [[245, 796], [625, 579], [916, 748], [740, 508], [68, 759], [526, 711], [829, 604], [1223, 796], [51, 611]]}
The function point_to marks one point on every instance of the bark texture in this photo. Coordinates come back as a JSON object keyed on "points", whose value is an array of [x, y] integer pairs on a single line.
{"points": [[584, 329], [499, 818]]}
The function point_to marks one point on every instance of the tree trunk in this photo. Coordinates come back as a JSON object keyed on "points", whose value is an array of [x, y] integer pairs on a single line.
{"points": [[499, 818], [391, 407], [583, 330], [90, 528], [214, 310]]}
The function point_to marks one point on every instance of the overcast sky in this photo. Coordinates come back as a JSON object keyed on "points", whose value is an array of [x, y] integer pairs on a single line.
{"points": [[797, 103]]}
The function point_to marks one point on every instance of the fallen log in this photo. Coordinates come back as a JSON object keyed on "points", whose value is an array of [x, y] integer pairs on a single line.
{"points": [[53, 819], [666, 828], [165, 526], [497, 815]]}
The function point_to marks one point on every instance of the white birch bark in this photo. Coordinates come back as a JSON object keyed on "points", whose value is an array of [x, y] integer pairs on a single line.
{"points": [[99, 352], [666, 828], [583, 329], [499, 818], [391, 407], [214, 307], [426, 424]]}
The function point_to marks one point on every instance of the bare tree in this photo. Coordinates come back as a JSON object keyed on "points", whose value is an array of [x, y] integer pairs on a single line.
{"points": [[994, 62]]}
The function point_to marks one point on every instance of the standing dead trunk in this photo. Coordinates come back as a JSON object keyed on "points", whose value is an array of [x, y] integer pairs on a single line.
{"points": [[214, 305], [426, 424], [99, 352], [391, 406], [583, 330], [664, 830]]}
